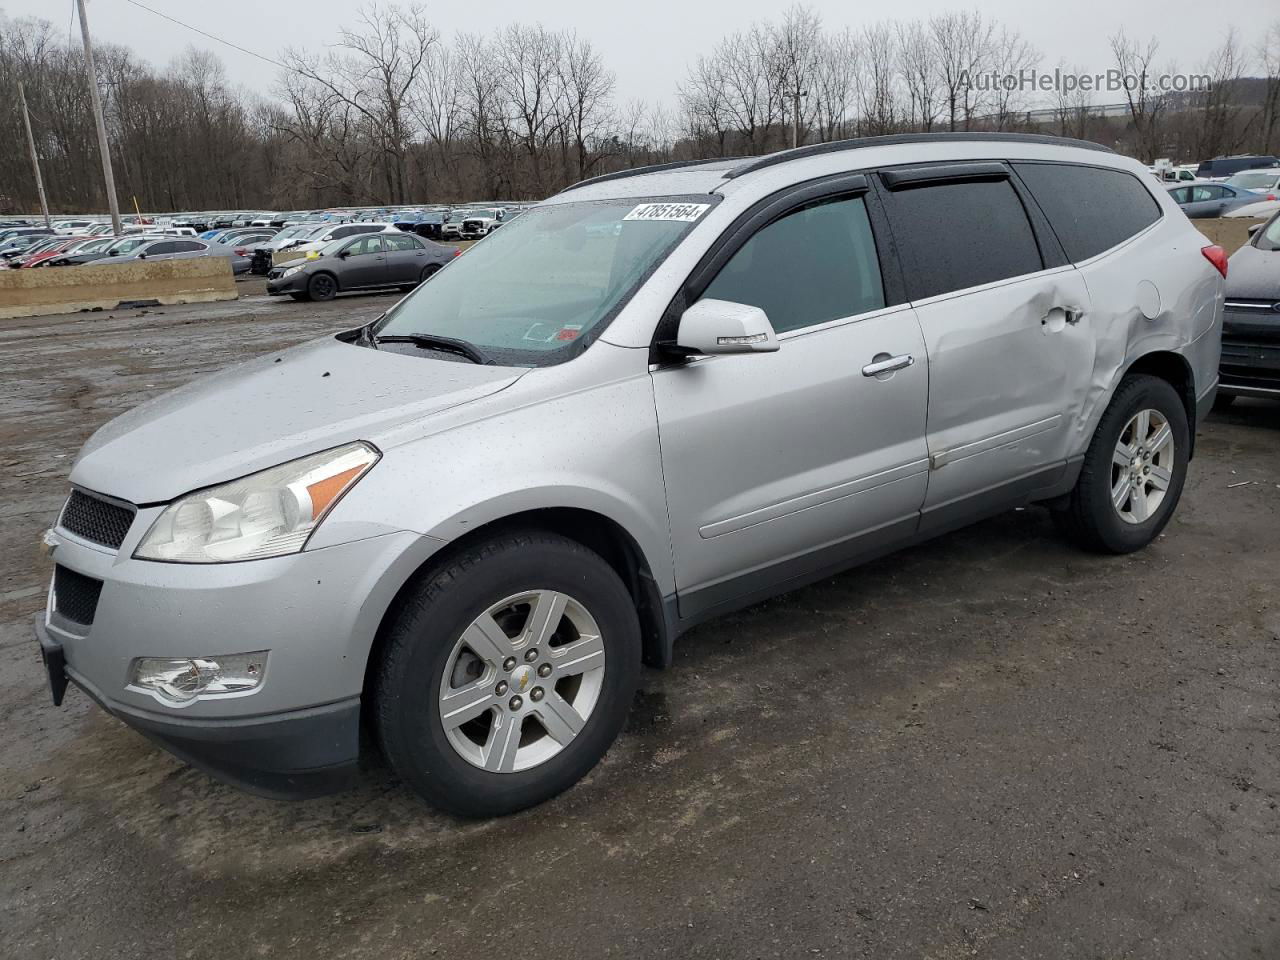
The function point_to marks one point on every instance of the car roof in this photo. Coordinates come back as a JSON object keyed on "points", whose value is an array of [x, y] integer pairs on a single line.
{"points": [[724, 176]]}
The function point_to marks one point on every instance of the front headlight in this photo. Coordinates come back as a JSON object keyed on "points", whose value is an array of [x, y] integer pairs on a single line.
{"points": [[290, 271], [266, 514]]}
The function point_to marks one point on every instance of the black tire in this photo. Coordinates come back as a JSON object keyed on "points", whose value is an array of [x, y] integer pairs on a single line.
{"points": [[322, 286], [1223, 401], [427, 273], [1089, 518], [422, 637]]}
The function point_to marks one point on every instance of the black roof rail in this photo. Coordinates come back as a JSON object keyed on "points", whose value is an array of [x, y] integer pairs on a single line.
{"points": [[836, 146], [652, 168]]}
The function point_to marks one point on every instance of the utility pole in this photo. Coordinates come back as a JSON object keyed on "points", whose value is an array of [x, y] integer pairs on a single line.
{"points": [[35, 159], [96, 102]]}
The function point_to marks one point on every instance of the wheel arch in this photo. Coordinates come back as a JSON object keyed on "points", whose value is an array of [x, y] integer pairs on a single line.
{"points": [[328, 273], [599, 533], [1174, 369]]}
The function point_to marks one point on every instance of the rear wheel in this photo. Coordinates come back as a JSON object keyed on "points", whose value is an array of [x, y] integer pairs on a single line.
{"points": [[507, 674], [322, 287], [427, 273], [1133, 471]]}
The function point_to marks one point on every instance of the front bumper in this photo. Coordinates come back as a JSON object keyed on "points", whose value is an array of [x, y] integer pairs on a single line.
{"points": [[1250, 365], [294, 283], [285, 756], [315, 612]]}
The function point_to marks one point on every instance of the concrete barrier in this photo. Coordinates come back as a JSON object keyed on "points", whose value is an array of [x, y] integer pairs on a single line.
{"points": [[285, 256], [1228, 233], [49, 290]]}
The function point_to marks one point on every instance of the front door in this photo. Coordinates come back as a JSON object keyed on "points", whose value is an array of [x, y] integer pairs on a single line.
{"points": [[366, 263], [778, 465]]}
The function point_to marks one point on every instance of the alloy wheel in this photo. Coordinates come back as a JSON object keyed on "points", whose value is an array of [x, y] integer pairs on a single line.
{"points": [[522, 681], [1142, 466]]}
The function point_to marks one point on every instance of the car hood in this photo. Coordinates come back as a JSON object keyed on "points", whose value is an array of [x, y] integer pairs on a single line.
{"points": [[1254, 274], [270, 410]]}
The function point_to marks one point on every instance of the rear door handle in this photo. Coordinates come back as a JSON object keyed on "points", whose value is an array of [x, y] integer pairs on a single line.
{"points": [[883, 363]]}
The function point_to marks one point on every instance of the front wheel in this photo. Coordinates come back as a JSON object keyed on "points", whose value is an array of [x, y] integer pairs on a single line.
{"points": [[507, 674], [322, 287], [1133, 471]]}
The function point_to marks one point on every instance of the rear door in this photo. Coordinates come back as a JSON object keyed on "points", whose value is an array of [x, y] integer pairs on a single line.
{"points": [[406, 256], [780, 465], [1006, 327]]}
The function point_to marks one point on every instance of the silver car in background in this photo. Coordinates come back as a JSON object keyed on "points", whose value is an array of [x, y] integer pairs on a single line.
{"points": [[657, 397]]}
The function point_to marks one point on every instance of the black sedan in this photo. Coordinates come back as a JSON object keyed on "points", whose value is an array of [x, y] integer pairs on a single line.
{"points": [[1251, 323], [368, 262]]}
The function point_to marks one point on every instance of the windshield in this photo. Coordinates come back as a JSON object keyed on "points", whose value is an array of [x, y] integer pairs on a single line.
{"points": [[1253, 181], [538, 291]]}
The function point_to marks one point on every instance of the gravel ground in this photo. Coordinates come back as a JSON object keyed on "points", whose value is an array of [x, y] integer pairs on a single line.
{"points": [[991, 745]]}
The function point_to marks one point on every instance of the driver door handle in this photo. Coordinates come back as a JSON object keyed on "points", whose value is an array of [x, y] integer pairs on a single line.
{"points": [[888, 365]]}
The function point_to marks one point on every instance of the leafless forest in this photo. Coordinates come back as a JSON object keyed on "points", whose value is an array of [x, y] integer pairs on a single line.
{"points": [[395, 112]]}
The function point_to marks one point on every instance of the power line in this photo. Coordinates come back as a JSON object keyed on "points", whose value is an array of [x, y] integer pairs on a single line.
{"points": [[205, 33]]}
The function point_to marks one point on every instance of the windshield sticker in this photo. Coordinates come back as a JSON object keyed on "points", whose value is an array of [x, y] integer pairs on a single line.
{"points": [[681, 212]]}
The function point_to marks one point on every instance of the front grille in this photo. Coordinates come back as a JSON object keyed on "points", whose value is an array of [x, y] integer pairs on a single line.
{"points": [[96, 520], [75, 596]]}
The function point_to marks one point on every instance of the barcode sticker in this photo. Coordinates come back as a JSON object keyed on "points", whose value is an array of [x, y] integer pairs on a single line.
{"points": [[681, 212]]}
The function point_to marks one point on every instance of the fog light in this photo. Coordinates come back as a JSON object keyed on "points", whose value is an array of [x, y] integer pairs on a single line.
{"points": [[182, 681]]}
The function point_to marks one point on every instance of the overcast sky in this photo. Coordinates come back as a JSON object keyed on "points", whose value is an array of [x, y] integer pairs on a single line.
{"points": [[649, 43]]}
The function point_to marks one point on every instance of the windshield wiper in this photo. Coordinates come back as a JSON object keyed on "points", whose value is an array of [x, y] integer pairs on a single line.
{"points": [[431, 341]]}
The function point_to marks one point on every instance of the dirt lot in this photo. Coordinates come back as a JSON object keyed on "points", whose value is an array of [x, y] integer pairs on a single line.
{"points": [[988, 746]]}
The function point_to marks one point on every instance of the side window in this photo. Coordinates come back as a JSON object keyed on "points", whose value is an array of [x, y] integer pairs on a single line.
{"points": [[1181, 195], [1092, 208], [186, 246], [158, 248], [962, 234], [371, 243], [812, 265], [404, 242]]}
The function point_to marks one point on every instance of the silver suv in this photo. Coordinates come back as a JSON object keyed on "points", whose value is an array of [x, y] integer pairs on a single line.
{"points": [[656, 397]]}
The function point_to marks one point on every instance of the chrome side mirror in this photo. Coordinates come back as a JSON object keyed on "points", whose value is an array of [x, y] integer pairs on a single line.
{"points": [[711, 327]]}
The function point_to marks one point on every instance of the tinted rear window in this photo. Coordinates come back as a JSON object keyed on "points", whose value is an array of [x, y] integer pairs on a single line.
{"points": [[1091, 208], [958, 235]]}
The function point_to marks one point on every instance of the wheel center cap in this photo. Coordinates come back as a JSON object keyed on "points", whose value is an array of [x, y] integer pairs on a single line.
{"points": [[521, 679]]}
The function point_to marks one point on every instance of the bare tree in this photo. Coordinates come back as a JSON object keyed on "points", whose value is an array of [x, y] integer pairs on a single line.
{"points": [[794, 59], [586, 86], [878, 81], [919, 63], [528, 76], [1219, 107], [1146, 108], [1073, 105], [373, 71], [1010, 57], [1268, 54], [962, 44], [835, 77]]}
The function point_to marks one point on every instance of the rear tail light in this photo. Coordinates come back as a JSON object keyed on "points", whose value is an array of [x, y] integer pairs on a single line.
{"points": [[1217, 256], [242, 251], [457, 251]]}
